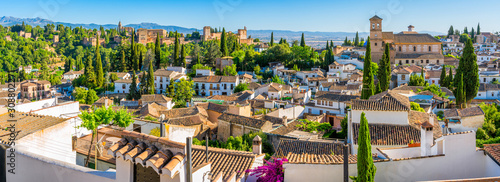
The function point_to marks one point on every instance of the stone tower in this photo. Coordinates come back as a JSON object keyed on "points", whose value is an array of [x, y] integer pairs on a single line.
{"points": [[119, 25], [206, 32], [376, 34], [242, 33]]}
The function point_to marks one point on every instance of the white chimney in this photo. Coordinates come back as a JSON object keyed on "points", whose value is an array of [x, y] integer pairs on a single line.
{"points": [[285, 121], [426, 136], [410, 28], [257, 145]]}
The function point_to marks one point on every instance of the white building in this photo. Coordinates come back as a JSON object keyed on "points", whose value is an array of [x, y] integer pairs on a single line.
{"points": [[70, 75], [302, 75], [488, 91], [274, 91], [123, 85], [330, 103], [215, 85], [467, 119], [404, 72], [163, 77]]}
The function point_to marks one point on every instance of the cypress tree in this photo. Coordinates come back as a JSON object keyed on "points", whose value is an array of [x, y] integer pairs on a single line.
{"points": [[158, 51], [466, 31], [478, 29], [467, 67], [151, 82], [472, 34], [442, 78], [356, 40], [143, 87], [223, 44], [366, 168], [368, 86], [133, 93], [140, 61], [451, 31], [272, 39], [98, 68], [89, 72], [449, 80], [302, 41], [345, 41], [123, 62], [183, 56], [176, 50], [384, 70], [461, 98], [281, 41]]}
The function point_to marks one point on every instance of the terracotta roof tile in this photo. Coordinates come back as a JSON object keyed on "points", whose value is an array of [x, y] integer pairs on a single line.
{"points": [[287, 146], [386, 101], [493, 150]]}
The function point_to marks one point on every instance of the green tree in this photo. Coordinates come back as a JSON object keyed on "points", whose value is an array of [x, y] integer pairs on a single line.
{"points": [[80, 95], [442, 79], [416, 107], [182, 59], [478, 29], [241, 87], [449, 80], [68, 64], [183, 92], [151, 81], [102, 116], [384, 70], [90, 78], [277, 79], [451, 30], [98, 67], [472, 34], [229, 70], [461, 93], [365, 166], [141, 59], [416, 80], [302, 41], [356, 40], [133, 93], [468, 68], [158, 51], [368, 85], [223, 43], [466, 31], [123, 66], [91, 97], [177, 50], [271, 43]]}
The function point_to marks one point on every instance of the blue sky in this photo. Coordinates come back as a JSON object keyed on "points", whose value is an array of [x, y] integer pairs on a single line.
{"points": [[312, 15]]}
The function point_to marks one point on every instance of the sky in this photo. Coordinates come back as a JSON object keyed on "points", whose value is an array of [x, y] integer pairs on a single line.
{"points": [[295, 15]]}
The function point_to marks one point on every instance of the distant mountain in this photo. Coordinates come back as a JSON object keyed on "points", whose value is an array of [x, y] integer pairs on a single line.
{"points": [[9, 21]]}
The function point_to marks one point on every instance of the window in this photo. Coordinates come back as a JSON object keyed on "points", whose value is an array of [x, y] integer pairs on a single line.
{"points": [[320, 112], [310, 110], [331, 103], [437, 62], [375, 44], [375, 35], [429, 48], [399, 48], [373, 26], [422, 61], [400, 63], [407, 61], [427, 61], [378, 25], [123, 86], [412, 61], [414, 48], [478, 94], [403, 77], [484, 79], [433, 81]]}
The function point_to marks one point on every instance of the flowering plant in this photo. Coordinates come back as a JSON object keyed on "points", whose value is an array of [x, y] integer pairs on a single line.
{"points": [[271, 171]]}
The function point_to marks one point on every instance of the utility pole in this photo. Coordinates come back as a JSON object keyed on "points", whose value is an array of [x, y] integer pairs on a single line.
{"points": [[346, 160]]}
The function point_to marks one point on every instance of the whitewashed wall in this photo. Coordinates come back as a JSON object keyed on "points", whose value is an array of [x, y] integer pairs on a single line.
{"points": [[461, 161], [27, 107], [384, 117]]}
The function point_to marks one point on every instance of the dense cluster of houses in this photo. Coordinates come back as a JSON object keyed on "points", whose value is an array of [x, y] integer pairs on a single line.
{"points": [[154, 146]]}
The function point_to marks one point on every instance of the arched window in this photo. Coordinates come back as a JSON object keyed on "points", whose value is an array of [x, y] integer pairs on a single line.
{"points": [[378, 25], [373, 26], [399, 48], [123, 86], [414, 48], [430, 49]]}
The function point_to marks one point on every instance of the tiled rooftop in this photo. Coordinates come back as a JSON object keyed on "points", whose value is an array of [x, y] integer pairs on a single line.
{"points": [[26, 124], [385, 101]]}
